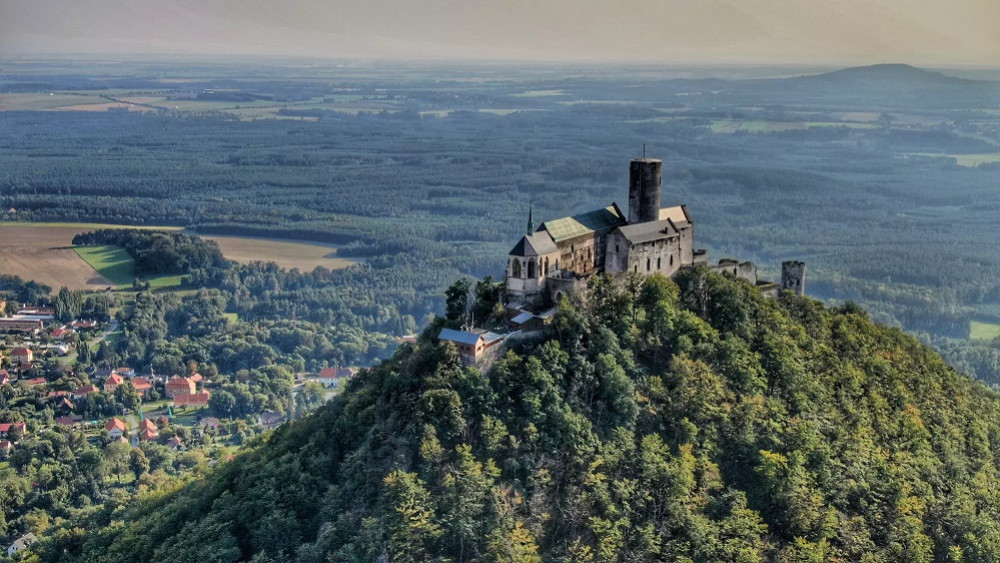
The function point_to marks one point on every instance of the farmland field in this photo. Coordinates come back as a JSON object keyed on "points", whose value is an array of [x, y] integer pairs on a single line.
{"points": [[288, 254], [43, 252]]}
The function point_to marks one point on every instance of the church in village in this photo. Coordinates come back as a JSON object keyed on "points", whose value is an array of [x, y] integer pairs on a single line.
{"points": [[563, 253]]}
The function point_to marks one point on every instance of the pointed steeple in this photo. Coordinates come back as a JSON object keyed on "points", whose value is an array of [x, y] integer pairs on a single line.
{"points": [[531, 224]]}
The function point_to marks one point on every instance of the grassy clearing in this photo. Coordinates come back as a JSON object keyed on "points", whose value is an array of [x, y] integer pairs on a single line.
{"points": [[163, 283], [231, 317], [983, 331], [112, 262]]}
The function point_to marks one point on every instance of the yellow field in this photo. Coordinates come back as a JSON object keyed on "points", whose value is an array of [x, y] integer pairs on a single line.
{"points": [[43, 252], [288, 254]]}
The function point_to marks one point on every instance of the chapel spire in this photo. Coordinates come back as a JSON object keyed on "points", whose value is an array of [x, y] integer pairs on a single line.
{"points": [[531, 224]]}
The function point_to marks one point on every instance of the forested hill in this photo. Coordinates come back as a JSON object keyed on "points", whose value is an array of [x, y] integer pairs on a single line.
{"points": [[686, 420]]}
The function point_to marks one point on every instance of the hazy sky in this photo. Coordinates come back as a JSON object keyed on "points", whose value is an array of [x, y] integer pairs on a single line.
{"points": [[939, 32]]}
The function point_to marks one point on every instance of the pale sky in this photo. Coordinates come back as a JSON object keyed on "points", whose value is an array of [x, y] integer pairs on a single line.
{"points": [[928, 32]]}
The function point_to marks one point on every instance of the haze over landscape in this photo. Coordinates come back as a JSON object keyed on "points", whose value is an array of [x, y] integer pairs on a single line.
{"points": [[579, 281], [961, 32]]}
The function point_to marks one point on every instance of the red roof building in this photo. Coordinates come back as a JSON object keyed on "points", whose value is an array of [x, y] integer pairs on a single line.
{"points": [[7, 427], [148, 431], [180, 386], [142, 385], [193, 400], [22, 356], [196, 378], [115, 427], [36, 381], [113, 382], [84, 391], [61, 332], [175, 443]]}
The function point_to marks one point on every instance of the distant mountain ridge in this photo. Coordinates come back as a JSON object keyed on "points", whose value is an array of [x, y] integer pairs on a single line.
{"points": [[891, 72]]}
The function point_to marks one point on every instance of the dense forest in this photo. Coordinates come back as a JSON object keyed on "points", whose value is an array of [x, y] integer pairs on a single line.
{"points": [[882, 179], [688, 420]]}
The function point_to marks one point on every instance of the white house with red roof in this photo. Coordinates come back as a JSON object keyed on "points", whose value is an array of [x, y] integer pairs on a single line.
{"points": [[332, 376], [116, 427], [22, 356]]}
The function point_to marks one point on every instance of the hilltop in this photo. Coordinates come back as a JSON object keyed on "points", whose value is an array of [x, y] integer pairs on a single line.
{"points": [[691, 420]]}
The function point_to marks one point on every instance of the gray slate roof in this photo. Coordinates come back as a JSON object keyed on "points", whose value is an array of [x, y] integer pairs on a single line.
{"points": [[459, 336], [535, 244], [653, 230]]}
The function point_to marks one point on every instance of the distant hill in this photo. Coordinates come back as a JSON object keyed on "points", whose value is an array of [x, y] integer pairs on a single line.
{"points": [[691, 421], [894, 73]]}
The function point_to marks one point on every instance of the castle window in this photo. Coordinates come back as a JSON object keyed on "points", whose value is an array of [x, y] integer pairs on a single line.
{"points": [[671, 259], [616, 249], [647, 264], [636, 268], [657, 263]]}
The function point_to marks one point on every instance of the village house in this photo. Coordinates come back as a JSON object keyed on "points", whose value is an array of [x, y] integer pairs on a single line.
{"points": [[83, 325], [175, 443], [332, 376], [180, 386], [22, 355], [472, 346], [112, 383], [148, 430], [82, 392], [34, 382], [142, 386], [4, 377], [69, 421], [126, 372], [22, 543], [10, 429], [192, 400], [61, 332], [116, 427], [6, 446]]}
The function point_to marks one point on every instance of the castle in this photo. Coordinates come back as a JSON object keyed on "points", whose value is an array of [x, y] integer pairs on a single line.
{"points": [[563, 253]]}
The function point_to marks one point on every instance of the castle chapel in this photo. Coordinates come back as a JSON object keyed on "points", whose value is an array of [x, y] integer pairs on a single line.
{"points": [[562, 253]]}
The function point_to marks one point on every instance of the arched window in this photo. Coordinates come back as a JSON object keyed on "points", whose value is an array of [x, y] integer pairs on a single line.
{"points": [[531, 269], [635, 268], [657, 262], [515, 268], [671, 259], [546, 272]]}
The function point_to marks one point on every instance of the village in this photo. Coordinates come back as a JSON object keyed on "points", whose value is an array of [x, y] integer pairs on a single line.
{"points": [[41, 372]]}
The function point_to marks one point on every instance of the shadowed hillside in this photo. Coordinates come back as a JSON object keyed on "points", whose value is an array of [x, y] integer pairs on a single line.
{"points": [[687, 421]]}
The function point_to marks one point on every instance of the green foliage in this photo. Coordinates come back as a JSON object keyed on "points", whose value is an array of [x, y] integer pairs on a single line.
{"points": [[719, 425]]}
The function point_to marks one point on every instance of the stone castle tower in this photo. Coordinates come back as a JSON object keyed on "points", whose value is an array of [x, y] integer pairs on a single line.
{"points": [[793, 276]]}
